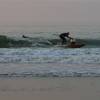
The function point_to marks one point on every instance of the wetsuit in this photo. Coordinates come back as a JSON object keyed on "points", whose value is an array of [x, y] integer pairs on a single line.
{"points": [[63, 37]]}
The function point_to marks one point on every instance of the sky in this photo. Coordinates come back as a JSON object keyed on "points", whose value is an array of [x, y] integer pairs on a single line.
{"points": [[49, 12]]}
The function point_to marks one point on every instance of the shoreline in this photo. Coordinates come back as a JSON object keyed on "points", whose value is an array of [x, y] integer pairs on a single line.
{"points": [[77, 88]]}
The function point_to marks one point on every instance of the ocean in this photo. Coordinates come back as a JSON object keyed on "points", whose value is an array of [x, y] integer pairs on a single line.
{"points": [[46, 57]]}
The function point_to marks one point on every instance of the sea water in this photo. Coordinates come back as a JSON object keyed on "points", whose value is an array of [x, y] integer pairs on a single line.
{"points": [[46, 57]]}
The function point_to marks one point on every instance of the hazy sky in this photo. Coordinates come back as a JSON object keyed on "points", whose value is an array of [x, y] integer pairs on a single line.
{"points": [[49, 12]]}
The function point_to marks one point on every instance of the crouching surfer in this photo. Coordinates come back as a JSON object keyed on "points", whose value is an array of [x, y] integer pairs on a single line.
{"points": [[63, 37]]}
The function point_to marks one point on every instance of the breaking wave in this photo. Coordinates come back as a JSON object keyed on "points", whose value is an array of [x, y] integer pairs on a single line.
{"points": [[8, 42], [50, 55]]}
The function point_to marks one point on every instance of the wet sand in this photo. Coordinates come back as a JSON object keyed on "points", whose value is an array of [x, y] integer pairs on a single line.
{"points": [[50, 88]]}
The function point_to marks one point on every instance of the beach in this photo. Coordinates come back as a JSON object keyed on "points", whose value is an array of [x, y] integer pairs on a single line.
{"points": [[69, 88]]}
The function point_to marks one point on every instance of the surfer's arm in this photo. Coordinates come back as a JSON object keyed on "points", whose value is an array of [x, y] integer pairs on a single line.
{"points": [[69, 37]]}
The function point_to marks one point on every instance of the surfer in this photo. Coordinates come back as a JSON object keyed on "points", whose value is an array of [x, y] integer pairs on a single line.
{"points": [[63, 37]]}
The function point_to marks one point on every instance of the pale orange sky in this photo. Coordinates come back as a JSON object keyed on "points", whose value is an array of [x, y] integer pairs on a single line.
{"points": [[49, 12]]}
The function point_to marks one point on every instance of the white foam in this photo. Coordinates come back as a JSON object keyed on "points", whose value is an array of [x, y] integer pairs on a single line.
{"points": [[45, 55]]}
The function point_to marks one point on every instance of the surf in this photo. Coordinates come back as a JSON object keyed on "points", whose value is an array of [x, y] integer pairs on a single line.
{"points": [[10, 42]]}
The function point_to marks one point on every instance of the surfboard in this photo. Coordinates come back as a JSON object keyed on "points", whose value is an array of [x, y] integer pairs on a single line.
{"points": [[76, 46], [71, 46]]}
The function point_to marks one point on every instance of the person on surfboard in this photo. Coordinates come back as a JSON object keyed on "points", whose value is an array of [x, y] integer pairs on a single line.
{"points": [[63, 37]]}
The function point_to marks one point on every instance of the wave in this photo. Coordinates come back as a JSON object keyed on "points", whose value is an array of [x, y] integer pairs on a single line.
{"points": [[74, 74], [6, 42], [49, 42], [50, 55], [49, 62], [91, 42], [50, 70]]}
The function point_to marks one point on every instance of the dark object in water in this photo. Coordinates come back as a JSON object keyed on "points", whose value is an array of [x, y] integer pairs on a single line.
{"points": [[27, 37], [24, 36], [75, 45]]}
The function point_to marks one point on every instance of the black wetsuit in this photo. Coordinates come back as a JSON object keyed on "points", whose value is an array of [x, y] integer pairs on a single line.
{"points": [[62, 37]]}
